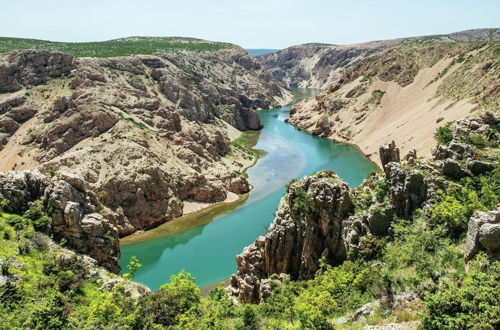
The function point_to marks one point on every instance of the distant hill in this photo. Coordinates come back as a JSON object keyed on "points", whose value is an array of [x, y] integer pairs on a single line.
{"points": [[317, 65], [260, 51], [117, 47]]}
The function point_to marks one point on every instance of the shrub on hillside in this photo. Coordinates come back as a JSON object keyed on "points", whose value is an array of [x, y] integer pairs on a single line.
{"points": [[444, 134]]}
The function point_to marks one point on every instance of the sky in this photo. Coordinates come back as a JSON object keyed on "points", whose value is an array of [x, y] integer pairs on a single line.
{"points": [[248, 23]]}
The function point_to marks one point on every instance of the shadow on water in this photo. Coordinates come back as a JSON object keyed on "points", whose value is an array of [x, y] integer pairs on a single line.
{"points": [[206, 244]]}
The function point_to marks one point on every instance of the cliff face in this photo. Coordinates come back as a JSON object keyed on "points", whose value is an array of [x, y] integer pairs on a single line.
{"points": [[319, 65], [73, 209], [145, 132], [321, 218], [404, 94]]}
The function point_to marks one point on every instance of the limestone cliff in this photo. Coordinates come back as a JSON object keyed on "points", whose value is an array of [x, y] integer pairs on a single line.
{"points": [[146, 132]]}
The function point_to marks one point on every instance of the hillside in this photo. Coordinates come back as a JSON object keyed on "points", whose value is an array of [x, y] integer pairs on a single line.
{"points": [[403, 94], [150, 135], [118, 47], [318, 65]]}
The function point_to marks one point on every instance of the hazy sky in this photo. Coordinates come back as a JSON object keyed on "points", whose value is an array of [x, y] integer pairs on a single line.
{"points": [[249, 23]]}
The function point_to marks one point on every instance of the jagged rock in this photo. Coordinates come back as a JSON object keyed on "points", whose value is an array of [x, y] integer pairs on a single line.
{"points": [[307, 227], [483, 234], [411, 156], [71, 209], [407, 189], [453, 170], [478, 167], [388, 153], [32, 67], [443, 152]]}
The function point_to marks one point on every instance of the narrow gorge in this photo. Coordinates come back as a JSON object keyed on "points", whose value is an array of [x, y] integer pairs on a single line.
{"points": [[181, 183]]}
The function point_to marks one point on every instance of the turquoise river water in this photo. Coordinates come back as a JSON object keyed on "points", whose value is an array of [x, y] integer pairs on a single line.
{"points": [[208, 251]]}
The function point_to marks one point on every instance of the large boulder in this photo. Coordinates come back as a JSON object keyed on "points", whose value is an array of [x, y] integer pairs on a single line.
{"points": [[407, 189], [483, 234]]}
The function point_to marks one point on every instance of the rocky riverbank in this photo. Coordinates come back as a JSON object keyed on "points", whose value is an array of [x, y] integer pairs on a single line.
{"points": [[320, 218]]}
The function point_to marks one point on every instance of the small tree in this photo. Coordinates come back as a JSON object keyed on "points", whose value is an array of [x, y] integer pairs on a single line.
{"points": [[133, 266], [444, 134]]}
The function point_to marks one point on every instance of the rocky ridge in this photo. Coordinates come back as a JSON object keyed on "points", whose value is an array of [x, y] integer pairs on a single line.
{"points": [[144, 132], [404, 94], [322, 218], [319, 65]]}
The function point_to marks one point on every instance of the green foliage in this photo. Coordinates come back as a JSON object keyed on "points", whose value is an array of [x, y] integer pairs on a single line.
{"points": [[449, 213], [479, 140], [168, 305], [470, 301], [38, 219], [302, 202], [444, 134], [418, 254], [144, 46], [287, 186], [133, 266]]}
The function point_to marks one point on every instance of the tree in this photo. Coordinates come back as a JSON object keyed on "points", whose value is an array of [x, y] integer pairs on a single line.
{"points": [[133, 266]]}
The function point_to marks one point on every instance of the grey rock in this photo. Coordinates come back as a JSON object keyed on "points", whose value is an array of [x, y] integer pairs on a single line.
{"points": [[388, 153], [453, 170], [407, 189], [478, 167], [483, 234], [297, 239], [71, 210]]}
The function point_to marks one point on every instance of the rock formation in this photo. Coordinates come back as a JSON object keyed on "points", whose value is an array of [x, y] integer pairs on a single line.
{"points": [[316, 220], [145, 132], [483, 234], [307, 227], [73, 210]]}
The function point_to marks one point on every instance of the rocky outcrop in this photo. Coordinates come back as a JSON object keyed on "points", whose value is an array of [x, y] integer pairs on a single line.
{"points": [[74, 212], [388, 153], [32, 67], [407, 189], [316, 220], [483, 234], [308, 226], [145, 132]]}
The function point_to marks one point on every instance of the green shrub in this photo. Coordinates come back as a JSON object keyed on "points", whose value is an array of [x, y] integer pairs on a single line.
{"points": [[167, 306], [470, 302], [444, 134], [451, 214], [477, 139], [302, 202]]}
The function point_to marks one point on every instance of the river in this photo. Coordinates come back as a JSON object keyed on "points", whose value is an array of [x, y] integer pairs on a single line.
{"points": [[208, 251]]}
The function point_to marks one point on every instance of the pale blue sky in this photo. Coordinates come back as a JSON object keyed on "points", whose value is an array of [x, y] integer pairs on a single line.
{"points": [[249, 23]]}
